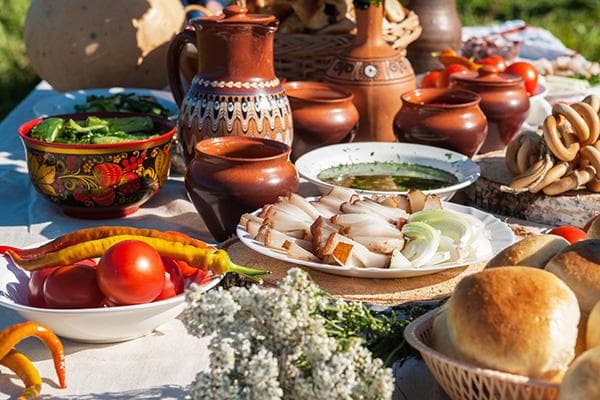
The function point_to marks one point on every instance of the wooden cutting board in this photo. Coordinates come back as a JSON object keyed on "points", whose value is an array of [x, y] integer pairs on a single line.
{"points": [[571, 208]]}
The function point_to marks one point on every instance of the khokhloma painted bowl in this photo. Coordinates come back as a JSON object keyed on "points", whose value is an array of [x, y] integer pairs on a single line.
{"points": [[99, 180]]}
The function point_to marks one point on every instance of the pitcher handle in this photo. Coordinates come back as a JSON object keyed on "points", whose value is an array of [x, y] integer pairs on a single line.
{"points": [[173, 62]]}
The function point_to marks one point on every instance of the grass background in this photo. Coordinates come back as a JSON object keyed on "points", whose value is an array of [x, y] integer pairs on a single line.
{"points": [[575, 22]]}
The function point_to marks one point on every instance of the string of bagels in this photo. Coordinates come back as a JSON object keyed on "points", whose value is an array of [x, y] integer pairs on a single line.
{"points": [[563, 155]]}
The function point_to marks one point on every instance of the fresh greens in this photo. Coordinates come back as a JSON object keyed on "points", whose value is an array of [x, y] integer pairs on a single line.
{"points": [[94, 130], [128, 102], [387, 176]]}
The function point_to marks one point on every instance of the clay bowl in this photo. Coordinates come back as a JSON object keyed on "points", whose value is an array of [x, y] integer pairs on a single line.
{"points": [[447, 118], [323, 114], [233, 175], [99, 180]]}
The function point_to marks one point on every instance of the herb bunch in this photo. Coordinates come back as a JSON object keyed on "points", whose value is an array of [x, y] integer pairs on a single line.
{"points": [[291, 342]]}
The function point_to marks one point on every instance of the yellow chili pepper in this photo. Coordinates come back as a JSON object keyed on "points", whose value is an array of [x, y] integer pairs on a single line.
{"points": [[10, 336], [26, 371], [207, 258], [85, 235]]}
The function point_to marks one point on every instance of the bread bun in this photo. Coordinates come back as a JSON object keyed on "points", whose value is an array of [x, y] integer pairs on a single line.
{"points": [[592, 336], [514, 319], [581, 380], [579, 267], [533, 251]]}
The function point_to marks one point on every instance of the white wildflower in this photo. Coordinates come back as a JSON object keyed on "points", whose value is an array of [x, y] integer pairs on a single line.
{"points": [[271, 344]]}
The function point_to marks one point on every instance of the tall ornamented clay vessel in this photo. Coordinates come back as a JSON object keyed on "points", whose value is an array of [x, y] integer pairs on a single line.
{"points": [[235, 91], [376, 74], [442, 29]]}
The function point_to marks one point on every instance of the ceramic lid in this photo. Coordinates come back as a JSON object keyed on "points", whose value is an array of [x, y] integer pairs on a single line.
{"points": [[487, 75], [236, 14]]}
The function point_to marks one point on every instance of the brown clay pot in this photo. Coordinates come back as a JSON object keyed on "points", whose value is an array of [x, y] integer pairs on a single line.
{"points": [[323, 114], [447, 118], [235, 90], [442, 29], [233, 175], [376, 74], [504, 102]]}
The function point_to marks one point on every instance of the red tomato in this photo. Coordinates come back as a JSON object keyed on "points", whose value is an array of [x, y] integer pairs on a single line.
{"points": [[432, 79], [495, 61], [89, 262], [450, 70], [35, 298], [570, 233], [186, 269], [131, 272], [201, 277], [107, 303], [527, 72], [173, 280], [72, 286]]}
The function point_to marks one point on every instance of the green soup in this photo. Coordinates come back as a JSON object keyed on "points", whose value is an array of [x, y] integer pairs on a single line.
{"points": [[387, 176]]}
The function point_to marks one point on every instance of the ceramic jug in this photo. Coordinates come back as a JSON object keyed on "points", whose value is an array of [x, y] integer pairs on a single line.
{"points": [[235, 91], [442, 29], [376, 73]]}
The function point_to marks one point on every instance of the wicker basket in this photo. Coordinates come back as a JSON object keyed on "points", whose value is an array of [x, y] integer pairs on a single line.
{"points": [[302, 56], [463, 381]]}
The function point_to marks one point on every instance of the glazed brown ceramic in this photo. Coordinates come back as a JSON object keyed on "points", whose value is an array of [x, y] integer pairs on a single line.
{"points": [[233, 175], [323, 114], [504, 102], [235, 91], [447, 118], [441, 29], [375, 73]]}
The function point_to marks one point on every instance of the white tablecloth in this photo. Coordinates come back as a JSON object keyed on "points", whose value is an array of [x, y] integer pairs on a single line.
{"points": [[158, 366]]}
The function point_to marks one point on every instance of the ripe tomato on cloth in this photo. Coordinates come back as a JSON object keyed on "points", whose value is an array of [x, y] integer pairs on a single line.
{"points": [[495, 61], [174, 280], [72, 286], [131, 272], [529, 74], [570, 233]]}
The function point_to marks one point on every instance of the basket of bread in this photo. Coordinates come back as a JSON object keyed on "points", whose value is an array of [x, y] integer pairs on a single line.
{"points": [[527, 327], [313, 32], [563, 155]]}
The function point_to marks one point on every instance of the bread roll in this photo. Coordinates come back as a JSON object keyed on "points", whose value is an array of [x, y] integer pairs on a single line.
{"points": [[514, 319], [533, 251], [579, 267], [581, 380], [592, 337]]}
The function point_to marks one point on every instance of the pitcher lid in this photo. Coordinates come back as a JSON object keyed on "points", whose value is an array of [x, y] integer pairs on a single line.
{"points": [[487, 75], [236, 14]]}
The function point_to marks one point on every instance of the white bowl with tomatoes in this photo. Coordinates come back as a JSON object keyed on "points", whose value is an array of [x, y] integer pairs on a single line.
{"points": [[118, 297]]}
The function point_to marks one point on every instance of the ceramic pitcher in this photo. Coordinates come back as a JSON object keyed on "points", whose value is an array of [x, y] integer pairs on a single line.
{"points": [[235, 91]]}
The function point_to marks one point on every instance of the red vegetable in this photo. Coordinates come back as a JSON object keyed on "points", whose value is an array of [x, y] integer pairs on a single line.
{"points": [[432, 79], [570, 233], [131, 272], [72, 286], [528, 73], [174, 280], [35, 285], [450, 70], [495, 61]]}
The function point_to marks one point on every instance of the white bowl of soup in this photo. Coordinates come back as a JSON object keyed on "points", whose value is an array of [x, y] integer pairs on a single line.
{"points": [[381, 168]]}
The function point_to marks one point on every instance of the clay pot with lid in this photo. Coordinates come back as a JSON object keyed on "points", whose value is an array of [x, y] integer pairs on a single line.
{"points": [[323, 114], [504, 102], [233, 175], [235, 90], [447, 118]]}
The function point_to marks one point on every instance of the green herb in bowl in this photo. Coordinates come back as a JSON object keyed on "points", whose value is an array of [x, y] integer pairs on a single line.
{"points": [[94, 130], [127, 102]]}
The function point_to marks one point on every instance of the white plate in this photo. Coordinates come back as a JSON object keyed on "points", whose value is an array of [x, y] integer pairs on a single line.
{"points": [[89, 325], [64, 103], [499, 234], [311, 164]]}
